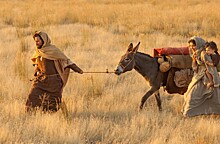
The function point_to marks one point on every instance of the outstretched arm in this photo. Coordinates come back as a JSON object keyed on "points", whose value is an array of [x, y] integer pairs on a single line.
{"points": [[75, 68]]}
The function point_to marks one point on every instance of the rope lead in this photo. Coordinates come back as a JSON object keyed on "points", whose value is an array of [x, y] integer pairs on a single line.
{"points": [[71, 72]]}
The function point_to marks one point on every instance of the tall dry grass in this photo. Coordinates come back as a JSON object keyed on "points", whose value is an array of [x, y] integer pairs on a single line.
{"points": [[103, 108]]}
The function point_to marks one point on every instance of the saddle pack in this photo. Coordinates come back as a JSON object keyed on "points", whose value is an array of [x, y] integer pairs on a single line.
{"points": [[176, 64]]}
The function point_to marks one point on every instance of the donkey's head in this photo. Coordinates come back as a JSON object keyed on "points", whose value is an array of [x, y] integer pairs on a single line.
{"points": [[127, 61]]}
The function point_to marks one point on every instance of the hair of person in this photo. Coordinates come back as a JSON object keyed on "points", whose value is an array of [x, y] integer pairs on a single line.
{"points": [[38, 35], [212, 45], [192, 41]]}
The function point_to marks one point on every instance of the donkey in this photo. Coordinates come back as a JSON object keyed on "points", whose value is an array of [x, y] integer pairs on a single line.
{"points": [[148, 67]]}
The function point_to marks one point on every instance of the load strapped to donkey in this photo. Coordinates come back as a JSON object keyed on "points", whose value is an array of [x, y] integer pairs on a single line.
{"points": [[176, 64]]}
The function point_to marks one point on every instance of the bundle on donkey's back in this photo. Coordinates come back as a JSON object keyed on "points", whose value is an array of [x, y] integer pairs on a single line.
{"points": [[176, 64], [151, 68]]}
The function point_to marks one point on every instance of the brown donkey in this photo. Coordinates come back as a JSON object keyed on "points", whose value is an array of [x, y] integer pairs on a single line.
{"points": [[148, 67]]}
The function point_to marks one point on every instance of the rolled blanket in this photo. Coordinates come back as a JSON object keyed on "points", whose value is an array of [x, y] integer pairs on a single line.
{"points": [[180, 61]]}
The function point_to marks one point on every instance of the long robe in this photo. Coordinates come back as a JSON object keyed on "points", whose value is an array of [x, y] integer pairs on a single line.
{"points": [[199, 99], [46, 91]]}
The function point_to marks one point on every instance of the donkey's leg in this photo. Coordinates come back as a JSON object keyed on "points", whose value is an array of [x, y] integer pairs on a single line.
{"points": [[157, 96], [146, 96]]}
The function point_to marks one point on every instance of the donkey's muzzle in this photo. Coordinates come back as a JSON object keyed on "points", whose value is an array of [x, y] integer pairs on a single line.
{"points": [[118, 70]]}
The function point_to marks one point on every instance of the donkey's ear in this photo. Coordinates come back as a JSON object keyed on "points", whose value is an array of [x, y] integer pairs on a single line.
{"points": [[136, 48], [130, 47]]}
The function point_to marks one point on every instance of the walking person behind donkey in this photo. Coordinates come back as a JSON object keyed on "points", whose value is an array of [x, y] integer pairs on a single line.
{"points": [[51, 73], [199, 99]]}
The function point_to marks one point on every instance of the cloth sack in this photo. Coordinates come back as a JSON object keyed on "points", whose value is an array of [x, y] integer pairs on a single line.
{"points": [[183, 77]]}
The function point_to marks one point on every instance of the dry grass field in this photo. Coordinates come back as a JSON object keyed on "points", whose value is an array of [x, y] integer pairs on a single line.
{"points": [[103, 108]]}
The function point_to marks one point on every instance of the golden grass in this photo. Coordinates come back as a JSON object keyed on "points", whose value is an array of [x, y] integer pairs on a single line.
{"points": [[103, 108]]}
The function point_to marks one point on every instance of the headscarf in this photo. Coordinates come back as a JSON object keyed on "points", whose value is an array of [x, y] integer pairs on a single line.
{"points": [[51, 52], [48, 50], [200, 44]]}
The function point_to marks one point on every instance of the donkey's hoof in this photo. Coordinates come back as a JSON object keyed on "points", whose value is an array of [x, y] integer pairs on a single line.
{"points": [[141, 108]]}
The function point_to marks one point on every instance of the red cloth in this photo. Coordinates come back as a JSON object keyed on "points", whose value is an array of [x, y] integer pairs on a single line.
{"points": [[171, 51]]}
